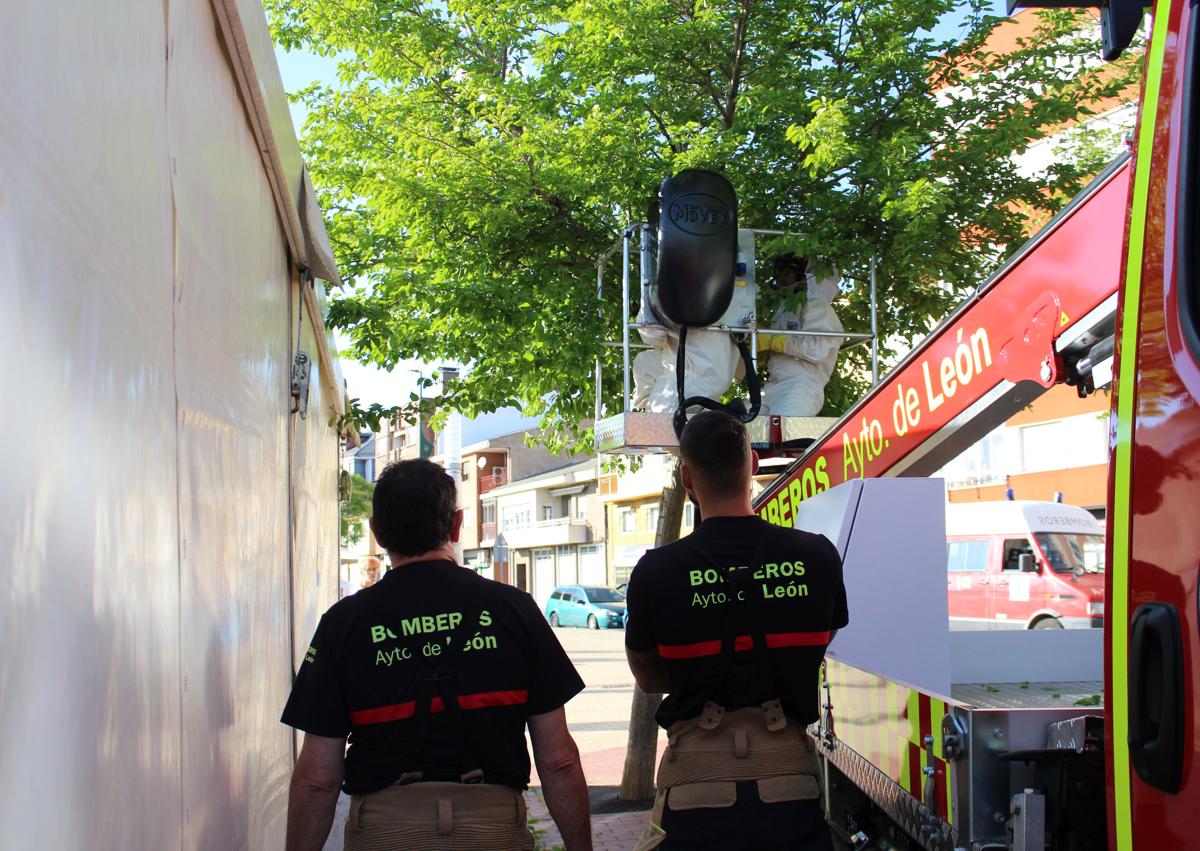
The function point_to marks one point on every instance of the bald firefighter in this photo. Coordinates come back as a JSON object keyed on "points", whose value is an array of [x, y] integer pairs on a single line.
{"points": [[732, 623], [434, 673]]}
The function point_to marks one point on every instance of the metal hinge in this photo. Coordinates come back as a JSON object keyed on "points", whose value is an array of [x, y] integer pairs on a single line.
{"points": [[301, 370]]}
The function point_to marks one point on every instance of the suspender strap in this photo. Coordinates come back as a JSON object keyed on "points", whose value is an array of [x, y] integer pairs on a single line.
{"points": [[737, 581], [442, 681]]}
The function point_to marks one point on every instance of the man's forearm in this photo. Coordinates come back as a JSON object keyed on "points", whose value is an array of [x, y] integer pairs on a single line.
{"points": [[566, 794], [310, 816], [648, 670]]}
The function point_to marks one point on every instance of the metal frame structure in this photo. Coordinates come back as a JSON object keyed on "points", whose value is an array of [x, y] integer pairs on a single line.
{"points": [[625, 245]]}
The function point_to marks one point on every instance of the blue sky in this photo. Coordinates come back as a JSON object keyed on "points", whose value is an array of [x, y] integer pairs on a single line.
{"points": [[370, 384]]}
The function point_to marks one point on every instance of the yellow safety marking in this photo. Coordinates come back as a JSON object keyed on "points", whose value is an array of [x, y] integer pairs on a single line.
{"points": [[1062, 319], [878, 716], [914, 733], [937, 711], [893, 727], [902, 741], [1118, 613]]}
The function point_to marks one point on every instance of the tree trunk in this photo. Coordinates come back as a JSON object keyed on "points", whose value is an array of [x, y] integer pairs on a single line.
{"points": [[637, 780]]}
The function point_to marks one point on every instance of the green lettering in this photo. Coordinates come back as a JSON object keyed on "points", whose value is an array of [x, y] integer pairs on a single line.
{"points": [[822, 476]]}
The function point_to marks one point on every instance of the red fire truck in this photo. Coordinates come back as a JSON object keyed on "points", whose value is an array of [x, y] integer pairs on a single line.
{"points": [[1109, 289]]}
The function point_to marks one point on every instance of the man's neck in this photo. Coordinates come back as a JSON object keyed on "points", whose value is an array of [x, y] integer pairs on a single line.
{"points": [[443, 553], [737, 507]]}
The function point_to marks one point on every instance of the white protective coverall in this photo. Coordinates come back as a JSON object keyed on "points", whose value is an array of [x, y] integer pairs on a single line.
{"points": [[710, 361], [800, 371]]}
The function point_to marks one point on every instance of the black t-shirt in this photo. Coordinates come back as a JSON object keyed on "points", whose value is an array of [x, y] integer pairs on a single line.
{"points": [[680, 597], [359, 677]]}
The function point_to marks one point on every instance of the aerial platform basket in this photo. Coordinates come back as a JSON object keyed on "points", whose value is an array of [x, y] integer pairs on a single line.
{"points": [[646, 433], [633, 432]]}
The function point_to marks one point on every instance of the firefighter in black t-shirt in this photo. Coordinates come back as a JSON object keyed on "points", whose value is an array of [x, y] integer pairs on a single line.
{"points": [[433, 673], [732, 623]]}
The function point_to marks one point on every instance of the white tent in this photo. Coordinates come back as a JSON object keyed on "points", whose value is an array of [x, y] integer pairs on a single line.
{"points": [[168, 528]]}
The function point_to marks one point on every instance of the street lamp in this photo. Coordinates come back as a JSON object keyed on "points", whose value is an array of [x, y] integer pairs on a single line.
{"points": [[420, 410]]}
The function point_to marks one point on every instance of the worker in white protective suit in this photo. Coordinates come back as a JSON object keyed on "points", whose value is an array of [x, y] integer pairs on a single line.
{"points": [[801, 365], [709, 363]]}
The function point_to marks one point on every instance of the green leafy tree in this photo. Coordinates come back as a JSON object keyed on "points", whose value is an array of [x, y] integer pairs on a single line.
{"points": [[355, 509], [475, 158]]}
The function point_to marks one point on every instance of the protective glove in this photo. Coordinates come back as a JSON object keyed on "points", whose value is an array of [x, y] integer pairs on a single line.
{"points": [[772, 342]]}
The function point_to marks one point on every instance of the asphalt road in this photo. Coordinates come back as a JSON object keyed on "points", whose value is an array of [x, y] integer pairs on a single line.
{"points": [[599, 716]]}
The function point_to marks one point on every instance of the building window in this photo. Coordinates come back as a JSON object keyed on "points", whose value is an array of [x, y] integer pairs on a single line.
{"points": [[1078, 441], [652, 517], [980, 464], [516, 518], [489, 512], [627, 520], [1042, 447], [547, 512]]}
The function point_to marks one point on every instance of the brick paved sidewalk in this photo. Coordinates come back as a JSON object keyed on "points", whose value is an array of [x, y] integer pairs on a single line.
{"points": [[610, 832]]}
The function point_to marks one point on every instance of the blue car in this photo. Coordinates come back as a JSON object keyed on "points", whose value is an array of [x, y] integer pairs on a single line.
{"points": [[585, 605]]}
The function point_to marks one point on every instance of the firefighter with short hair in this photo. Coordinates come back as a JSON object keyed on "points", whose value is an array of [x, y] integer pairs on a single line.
{"points": [[434, 673], [732, 623]]}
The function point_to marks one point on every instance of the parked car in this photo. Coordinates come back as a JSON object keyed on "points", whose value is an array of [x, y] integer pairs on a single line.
{"points": [[586, 605], [1024, 565]]}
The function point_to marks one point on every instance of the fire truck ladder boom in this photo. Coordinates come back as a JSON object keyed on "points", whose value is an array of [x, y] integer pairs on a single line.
{"points": [[1046, 317]]}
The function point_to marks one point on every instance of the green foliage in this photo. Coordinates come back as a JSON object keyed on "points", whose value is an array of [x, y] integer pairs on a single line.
{"points": [[355, 510], [476, 158]]}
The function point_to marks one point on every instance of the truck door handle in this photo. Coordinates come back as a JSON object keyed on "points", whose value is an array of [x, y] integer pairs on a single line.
{"points": [[1156, 699], [1001, 581], [984, 582]]}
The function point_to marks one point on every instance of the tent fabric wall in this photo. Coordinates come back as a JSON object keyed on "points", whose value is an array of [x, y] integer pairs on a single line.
{"points": [[166, 526], [232, 370], [315, 531], [89, 572]]}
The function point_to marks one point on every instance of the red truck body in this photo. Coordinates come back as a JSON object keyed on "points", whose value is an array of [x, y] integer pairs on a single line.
{"points": [[1131, 239]]}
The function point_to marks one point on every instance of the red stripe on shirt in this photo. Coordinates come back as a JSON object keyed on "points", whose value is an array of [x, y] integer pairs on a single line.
{"points": [[407, 709], [743, 642]]}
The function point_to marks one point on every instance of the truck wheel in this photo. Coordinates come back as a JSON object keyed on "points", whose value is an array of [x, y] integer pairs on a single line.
{"points": [[554, 619], [592, 622], [1048, 623]]}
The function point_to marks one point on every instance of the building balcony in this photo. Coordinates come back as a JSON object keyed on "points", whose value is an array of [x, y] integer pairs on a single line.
{"points": [[487, 533], [487, 483], [550, 533]]}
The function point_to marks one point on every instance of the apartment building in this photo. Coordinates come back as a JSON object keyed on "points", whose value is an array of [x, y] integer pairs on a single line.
{"points": [[631, 503], [1056, 449], [546, 530], [360, 460], [398, 440], [525, 508]]}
